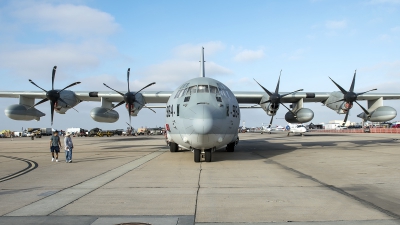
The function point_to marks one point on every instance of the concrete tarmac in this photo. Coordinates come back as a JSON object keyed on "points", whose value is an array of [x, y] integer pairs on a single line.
{"points": [[270, 178]]}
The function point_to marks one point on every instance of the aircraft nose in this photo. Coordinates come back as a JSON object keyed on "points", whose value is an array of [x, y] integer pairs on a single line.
{"points": [[203, 122]]}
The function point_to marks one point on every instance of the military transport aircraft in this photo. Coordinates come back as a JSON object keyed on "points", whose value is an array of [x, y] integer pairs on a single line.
{"points": [[202, 114]]}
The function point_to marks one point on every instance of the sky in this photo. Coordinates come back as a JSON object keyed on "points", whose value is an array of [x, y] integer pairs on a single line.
{"points": [[94, 42]]}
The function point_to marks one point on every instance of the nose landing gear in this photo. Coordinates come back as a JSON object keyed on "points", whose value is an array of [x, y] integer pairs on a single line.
{"points": [[205, 155]]}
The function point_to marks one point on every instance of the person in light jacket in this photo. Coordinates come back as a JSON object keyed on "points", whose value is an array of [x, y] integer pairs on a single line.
{"points": [[68, 147]]}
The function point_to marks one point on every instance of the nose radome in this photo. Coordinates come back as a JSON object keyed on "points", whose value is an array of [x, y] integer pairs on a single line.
{"points": [[203, 121]]}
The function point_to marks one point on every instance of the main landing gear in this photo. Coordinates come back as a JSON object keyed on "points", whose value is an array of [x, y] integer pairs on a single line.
{"points": [[173, 147]]}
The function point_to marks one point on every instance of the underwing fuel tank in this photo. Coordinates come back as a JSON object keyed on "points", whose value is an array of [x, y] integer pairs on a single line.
{"points": [[104, 115], [304, 115], [381, 114], [21, 112]]}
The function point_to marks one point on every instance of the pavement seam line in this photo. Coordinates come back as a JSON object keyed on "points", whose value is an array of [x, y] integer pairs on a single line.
{"points": [[197, 195], [77, 184], [337, 190], [29, 210]]}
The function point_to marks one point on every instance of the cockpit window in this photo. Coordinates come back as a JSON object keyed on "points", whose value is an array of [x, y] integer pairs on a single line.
{"points": [[182, 92], [202, 89], [191, 90], [214, 90], [178, 94]]}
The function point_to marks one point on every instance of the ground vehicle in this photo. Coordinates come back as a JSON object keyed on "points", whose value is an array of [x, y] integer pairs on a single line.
{"points": [[118, 132], [34, 132], [396, 125], [354, 127], [46, 131], [341, 128], [142, 131], [100, 133]]}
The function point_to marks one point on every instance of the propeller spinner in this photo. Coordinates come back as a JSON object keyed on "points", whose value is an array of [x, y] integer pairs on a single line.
{"points": [[53, 95], [275, 98], [350, 96], [129, 97]]}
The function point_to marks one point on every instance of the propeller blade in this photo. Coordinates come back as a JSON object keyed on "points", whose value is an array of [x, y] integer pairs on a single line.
{"points": [[366, 111], [149, 108], [113, 89], [366, 92], [345, 118], [336, 101], [291, 92], [277, 85], [145, 87], [265, 102], [43, 100], [268, 92], [127, 78], [53, 76], [62, 100], [73, 84], [289, 110], [122, 102], [337, 85], [52, 111], [129, 112], [353, 82], [270, 122], [36, 85]]}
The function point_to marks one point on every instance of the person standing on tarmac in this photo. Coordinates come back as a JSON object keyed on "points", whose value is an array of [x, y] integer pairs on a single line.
{"points": [[55, 145], [68, 147]]}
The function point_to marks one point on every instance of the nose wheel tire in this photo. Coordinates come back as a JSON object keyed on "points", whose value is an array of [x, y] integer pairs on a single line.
{"points": [[196, 153], [208, 155], [173, 147]]}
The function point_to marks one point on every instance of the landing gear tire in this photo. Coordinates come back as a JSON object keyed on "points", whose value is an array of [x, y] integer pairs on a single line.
{"points": [[196, 153], [208, 154], [173, 147], [230, 147]]}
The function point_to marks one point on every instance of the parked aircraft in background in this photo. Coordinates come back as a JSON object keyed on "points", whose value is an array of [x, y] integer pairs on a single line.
{"points": [[202, 114]]}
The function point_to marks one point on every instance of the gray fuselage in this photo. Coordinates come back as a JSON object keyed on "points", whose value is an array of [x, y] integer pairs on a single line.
{"points": [[202, 114]]}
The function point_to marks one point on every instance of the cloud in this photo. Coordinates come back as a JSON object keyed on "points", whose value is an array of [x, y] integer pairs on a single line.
{"points": [[67, 19], [389, 68], [32, 61], [249, 55], [194, 50], [395, 29], [336, 24], [385, 37], [170, 73]]}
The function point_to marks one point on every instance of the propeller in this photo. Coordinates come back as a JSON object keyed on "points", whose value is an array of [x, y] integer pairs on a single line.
{"points": [[53, 95], [275, 98], [350, 97], [129, 97]]}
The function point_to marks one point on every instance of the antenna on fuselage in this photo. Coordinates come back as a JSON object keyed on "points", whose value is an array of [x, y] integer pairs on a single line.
{"points": [[202, 70]]}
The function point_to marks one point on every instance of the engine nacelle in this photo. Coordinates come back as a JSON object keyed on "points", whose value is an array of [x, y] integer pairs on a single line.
{"points": [[304, 115], [22, 112], [271, 109], [381, 114], [103, 115]]}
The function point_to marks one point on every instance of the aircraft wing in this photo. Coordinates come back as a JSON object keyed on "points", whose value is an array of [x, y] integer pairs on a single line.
{"points": [[243, 97], [150, 96], [251, 97], [29, 94]]}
